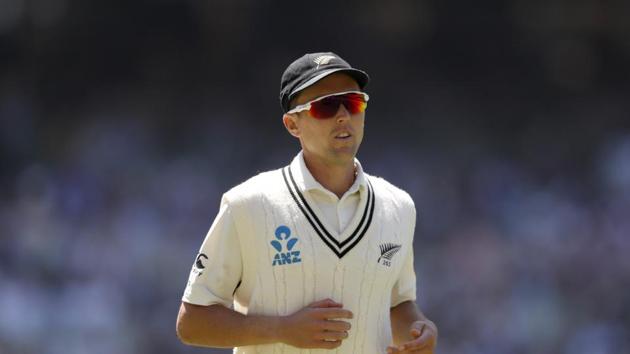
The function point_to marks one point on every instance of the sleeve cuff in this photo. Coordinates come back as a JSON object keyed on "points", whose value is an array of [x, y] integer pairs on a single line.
{"points": [[204, 297]]}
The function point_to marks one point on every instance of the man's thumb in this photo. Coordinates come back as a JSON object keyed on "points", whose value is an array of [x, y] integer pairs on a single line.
{"points": [[416, 329]]}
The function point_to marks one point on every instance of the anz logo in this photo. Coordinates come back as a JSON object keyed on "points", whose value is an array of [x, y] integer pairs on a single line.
{"points": [[284, 245]]}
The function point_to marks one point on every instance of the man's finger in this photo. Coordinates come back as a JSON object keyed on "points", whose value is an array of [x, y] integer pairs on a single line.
{"points": [[331, 335], [427, 339], [332, 313], [395, 350], [392, 350], [411, 345], [325, 303], [327, 344], [418, 326], [333, 325], [416, 331]]}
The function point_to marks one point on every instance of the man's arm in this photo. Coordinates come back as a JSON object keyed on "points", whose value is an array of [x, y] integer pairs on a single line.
{"points": [[218, 326], [411, 330], [314, 326]]}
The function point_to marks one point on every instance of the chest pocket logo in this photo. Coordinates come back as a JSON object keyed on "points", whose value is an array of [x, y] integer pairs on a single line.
{"points": [[388, 251], [284, 241]]}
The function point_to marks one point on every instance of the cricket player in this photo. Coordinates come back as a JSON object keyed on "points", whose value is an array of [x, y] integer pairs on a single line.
{"points": [[316, 256]]}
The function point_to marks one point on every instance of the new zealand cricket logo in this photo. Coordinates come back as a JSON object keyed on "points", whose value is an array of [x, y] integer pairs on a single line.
{"points": [[388, 250], [283, 236]]}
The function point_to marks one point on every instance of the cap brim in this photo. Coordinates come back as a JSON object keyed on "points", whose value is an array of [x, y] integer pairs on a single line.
{"points": [[360, 76]]}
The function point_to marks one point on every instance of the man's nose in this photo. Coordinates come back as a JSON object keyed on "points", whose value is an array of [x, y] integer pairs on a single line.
{"points": [[342, 114]]}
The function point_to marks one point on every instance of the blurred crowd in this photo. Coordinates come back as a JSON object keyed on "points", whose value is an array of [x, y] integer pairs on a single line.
{"points": [[122, 123]]}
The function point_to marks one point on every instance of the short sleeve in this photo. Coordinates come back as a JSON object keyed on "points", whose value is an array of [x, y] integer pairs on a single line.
{"points": [[217, 269], [405, 287]]}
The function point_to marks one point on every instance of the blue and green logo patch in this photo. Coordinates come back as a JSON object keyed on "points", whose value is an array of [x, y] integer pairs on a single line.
{"points": [[284, 244]]}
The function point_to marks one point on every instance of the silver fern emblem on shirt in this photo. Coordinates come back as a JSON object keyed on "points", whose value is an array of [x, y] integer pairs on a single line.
{"points": [[388, 250], [323, 60]]}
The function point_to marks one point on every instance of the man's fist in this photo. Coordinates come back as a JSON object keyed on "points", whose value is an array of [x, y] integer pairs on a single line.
{"points": [[316, 326], [424, 339]]}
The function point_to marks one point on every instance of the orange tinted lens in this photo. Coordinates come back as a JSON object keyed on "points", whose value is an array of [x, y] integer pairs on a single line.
{"points": [[354, 103], [328, 107]]}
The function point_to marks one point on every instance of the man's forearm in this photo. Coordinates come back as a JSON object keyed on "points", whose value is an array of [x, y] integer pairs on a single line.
{"points": [[402, 316], [218, 326]]}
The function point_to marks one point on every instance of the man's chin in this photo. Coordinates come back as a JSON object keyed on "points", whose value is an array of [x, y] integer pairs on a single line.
{"points": [[345, 153]]}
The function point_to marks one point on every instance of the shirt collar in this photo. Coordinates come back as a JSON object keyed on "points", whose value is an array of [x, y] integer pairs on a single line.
{"points": [[307, 182]]}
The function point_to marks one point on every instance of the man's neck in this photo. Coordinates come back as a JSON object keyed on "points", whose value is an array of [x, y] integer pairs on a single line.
{"points": [[337, 178]]}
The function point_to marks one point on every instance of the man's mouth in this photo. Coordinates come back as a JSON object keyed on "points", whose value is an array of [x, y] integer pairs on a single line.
{"points": [[343, 135]]}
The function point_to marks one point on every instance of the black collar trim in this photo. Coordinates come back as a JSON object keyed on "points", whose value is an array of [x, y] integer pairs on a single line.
{"points": [[339, 248]]}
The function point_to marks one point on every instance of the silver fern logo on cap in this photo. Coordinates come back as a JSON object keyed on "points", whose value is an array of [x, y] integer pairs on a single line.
{"points": [[323, 60]]}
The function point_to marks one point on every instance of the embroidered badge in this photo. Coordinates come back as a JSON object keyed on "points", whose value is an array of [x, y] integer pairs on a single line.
{"points": [[388, 250], [284, 241]]}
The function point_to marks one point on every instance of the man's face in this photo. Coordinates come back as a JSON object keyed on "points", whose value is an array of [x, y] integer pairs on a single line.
{"points": [[335, 140]]}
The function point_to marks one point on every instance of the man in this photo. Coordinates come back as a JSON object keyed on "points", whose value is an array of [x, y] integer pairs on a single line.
{"points": [[317, 255]]}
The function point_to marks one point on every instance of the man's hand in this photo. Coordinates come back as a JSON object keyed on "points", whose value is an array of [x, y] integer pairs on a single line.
{"points": [[424, 339], [316, 326]]}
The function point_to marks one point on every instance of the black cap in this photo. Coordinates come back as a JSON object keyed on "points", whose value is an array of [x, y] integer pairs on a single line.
{"points": [[311, 68]]}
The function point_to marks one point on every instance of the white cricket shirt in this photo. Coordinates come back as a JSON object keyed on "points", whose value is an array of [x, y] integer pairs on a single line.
{"points": [[272, 250]]}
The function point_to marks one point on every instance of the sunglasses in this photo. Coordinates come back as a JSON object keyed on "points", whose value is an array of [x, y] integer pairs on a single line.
{"points": [[327, 106]]}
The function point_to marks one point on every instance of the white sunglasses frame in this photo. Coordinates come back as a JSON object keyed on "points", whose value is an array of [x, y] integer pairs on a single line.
{"points": [[307, 105]]}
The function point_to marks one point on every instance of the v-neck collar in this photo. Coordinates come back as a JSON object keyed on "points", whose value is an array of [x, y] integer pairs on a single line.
{"points": [[297, 179], [305, 180]]}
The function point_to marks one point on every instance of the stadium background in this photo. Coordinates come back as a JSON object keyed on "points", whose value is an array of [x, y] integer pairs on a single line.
{"points": [[122, 122]]}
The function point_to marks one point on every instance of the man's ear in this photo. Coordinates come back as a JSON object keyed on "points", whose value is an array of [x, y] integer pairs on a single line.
{"points": [[290, 122]]}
